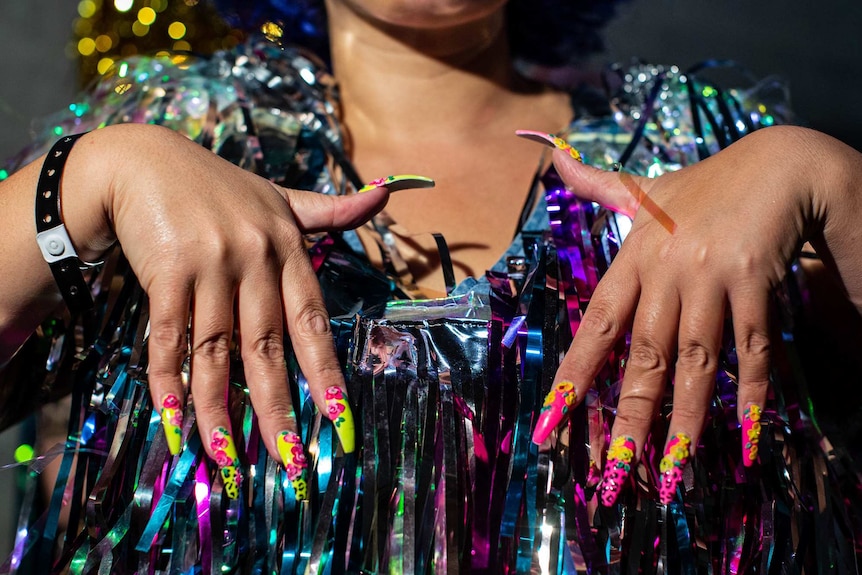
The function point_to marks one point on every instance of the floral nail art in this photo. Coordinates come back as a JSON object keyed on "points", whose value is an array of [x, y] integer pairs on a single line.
{"points": [[338, 411], [551, 140], [295, 464], [676, 455], [397, 183], [224, 452], [172, 422], [617, 469], [750, 434], [559, 400]]}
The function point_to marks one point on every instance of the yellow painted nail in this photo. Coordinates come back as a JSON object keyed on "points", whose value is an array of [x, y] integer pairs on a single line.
{"points": [[295, 464], [172, 422], [398, 183], [339, 412], [227, 459]]}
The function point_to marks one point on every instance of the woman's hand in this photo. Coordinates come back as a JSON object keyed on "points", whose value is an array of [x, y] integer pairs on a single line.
{"points": [[716, 236], [215, 245]]}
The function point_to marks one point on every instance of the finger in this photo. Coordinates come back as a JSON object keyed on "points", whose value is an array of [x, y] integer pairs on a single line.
{"points": [[751, 333], [262, 346], [653, 342], [587, 182], [603, 324], [168, 347], [315, 212], [308, 324], [212, 327], [700, 330]]}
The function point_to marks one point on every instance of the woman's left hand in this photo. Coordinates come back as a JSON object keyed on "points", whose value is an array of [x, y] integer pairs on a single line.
{"points": [[714, 236]]}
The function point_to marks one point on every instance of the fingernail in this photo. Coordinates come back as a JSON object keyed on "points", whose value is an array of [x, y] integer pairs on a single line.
{"points": [[750, 434], [226, 458], [172, 422], [676, 455], [617, 469], [557, 403], [338, 410], [550, 140], [293, 457], [398, 183]]}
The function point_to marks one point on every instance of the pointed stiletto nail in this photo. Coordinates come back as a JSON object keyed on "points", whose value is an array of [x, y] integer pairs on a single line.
{"points": [[750, 434], [339, 412], [227, 459], [295, 464], [550, 140], [618, 468], [676, 456], [398, 183], [561, 398], [172, 422]]}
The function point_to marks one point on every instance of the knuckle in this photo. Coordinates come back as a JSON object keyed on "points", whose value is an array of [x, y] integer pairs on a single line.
{"points": [[214, 348], [311, 320], [276, 409], [257, 241], [687, 412], [168, 336], [645, 356], [268, 347], [753, 344], [600, 322], [635, 411], [694, 355]]}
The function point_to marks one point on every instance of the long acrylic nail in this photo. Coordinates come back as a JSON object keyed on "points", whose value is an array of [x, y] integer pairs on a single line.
{"points": [[224, 452], [676, 455], [398, 183], [295, 464], [172, 422], [561, 398], [338, 410], [550, 140], [750, 434], [618, 468]]}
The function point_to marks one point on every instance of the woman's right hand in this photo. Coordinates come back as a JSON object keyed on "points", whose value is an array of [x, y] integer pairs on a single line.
{"points": [[214, 244]]}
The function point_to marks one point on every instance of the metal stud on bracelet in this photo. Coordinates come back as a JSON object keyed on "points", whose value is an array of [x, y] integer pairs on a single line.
{"points": [[52, 237]]}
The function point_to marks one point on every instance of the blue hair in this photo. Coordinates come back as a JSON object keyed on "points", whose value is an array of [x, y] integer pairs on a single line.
{"points": [[544, 32]]}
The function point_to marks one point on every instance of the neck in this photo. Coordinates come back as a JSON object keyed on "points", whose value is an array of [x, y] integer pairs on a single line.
{"points": [[405, 84]]}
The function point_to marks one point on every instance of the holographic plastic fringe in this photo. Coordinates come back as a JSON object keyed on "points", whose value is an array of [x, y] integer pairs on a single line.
{"points": [[445, 478]]}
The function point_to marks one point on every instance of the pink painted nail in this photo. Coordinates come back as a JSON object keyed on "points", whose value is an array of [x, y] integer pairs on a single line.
{"points": [[618, 468], [557, 404], [594, 474], [676, 456], [550, 140], [750, 434]]}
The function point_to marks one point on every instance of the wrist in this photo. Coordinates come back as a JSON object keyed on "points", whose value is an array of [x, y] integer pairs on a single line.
{"points": [[85, 192]]}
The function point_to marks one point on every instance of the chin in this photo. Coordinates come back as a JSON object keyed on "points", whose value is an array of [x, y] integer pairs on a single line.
{"points": [[426, 13]]}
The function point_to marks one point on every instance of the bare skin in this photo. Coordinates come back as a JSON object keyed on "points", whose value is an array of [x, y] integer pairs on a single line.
{"points": [[442, 101], [428, 88]]}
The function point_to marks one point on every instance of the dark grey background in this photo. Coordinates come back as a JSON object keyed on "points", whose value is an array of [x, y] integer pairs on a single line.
{"points": [[814, 45]]}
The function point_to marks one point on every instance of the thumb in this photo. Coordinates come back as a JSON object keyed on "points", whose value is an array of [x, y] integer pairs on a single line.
{"points": [[317, 212], [617, 191]]}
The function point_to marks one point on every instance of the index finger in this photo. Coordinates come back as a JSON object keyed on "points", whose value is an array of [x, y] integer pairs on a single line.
{"points": [[607, 316]]}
